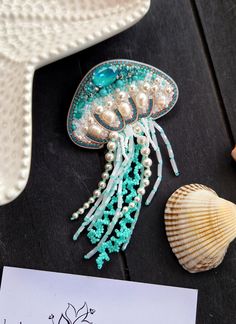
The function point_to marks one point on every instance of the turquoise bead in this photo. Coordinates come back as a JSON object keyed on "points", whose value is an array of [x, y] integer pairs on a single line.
{"points": [[103, 92], [119, 83], [79, 109], [105, 75], [90, 88]]}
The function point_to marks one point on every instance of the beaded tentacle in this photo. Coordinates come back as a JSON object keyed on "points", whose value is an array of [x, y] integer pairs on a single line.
{"points": [[116, 104]]}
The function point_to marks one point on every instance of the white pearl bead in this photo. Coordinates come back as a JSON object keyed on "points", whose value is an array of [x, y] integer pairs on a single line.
{"points": [[141, 100], [108, 166], [125, 109], [90, 120], [155, 88], [113, 136], [145, 151], [75, 215], [168, 90], [142, 140], [132, 204], [137, 199], [111, 146], [109, 104], [95, 130], [137, 129], [147, 173], [101, 185], [86, 205], [99, 110], [105, 175], [146, 182], [125, 209], [132, 88], [91, 200], [141, 191], [161, 101], [108, 116], [81, 211], [147, 162], [121, 95], [109, 157], [146, 86], [97, 193]]}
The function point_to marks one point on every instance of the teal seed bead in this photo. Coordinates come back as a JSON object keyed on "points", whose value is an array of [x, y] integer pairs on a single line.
{"points": [[103, 92], [119, 83]]}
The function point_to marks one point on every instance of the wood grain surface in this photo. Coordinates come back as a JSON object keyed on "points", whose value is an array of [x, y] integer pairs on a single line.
{"points": [[187, 41]]}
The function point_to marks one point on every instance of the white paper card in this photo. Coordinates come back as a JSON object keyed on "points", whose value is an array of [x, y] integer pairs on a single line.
{"points": [[39, 297]]}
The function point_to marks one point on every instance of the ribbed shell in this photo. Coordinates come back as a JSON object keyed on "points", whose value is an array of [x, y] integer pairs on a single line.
{"points": [[200, 226]]}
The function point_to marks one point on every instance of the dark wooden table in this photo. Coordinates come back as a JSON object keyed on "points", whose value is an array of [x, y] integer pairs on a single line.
{"points": [[194, 42]]}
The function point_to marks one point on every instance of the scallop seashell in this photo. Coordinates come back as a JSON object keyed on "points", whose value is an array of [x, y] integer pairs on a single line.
{"points": [[200, 226]]}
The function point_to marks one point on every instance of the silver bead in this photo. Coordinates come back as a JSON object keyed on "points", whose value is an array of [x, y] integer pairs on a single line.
{"points": [[125, 209], [147, 173], [141, 191], [137, 199], [101, 185], [114, 136], [108, 166], [145, 151], [132, 204], [109, 157], [75, 216], [111, 146], [91, 200], [81, 211], [86, 205], [105, 175], [146, 182], [142, 140], [97, 193], [147, 162]]}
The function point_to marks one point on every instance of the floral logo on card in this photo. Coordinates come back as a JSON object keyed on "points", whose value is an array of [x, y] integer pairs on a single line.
{"points": [[75, 316], [72, 315]]}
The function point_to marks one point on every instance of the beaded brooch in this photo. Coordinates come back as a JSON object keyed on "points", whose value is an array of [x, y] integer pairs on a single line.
{"points": [[116, 104]]}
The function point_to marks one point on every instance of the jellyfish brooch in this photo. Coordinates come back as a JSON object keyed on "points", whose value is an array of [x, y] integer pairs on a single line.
{"points": [[116, 104]]}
